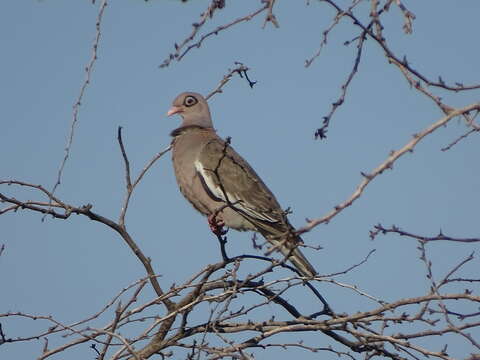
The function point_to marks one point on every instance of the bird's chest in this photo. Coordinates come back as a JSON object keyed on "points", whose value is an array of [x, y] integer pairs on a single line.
{"points": [[184, 153]]}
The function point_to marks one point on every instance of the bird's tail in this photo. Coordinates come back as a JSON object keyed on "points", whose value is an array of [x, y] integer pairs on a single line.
{"points": [[299, 260], [289, 248]]}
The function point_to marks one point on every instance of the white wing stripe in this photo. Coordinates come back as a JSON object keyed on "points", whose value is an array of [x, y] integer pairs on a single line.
{"points": [[215, 190], [239, 204]]}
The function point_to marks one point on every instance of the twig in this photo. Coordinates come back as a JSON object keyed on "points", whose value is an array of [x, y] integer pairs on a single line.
{"points": [[350, 268], [123, 340], [125, 159], [379, 228], [239, 69], [86, 211], [387, 164], [3, 338], [178, 54], [270, 15], [129, 186], [391, 56], [323, 42], [322, 131], [78, 102], [462, 137]]}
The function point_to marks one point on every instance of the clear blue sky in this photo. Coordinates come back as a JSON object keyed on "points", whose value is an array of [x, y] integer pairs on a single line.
{"points": [[70, 269]]}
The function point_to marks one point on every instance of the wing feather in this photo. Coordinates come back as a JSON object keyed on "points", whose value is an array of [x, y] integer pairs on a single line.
{"points": [[229, 178]]}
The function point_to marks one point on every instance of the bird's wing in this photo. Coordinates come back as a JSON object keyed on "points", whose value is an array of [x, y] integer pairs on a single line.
{"points": [[227, 177]]}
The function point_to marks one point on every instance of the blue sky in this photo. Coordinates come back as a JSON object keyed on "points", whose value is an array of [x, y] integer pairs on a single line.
{"points": [[72, 268]]}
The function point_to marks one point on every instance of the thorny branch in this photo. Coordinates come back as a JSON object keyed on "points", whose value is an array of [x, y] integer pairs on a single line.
{"points": [[379, 228], [186, 45]]}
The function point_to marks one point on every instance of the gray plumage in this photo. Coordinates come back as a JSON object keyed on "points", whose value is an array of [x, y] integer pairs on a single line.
{"points": [[213, 177]]}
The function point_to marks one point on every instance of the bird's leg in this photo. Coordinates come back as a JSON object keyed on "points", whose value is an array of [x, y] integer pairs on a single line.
{"points": [[216, 225]]}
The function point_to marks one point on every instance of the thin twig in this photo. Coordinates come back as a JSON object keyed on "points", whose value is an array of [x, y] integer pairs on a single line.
{"points": [[379, 228], [78, 102], [460, 138], [178, 54], [387, 164], [239, 69]]}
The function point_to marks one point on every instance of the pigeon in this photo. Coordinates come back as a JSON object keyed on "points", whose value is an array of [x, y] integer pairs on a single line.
{"points": [[221, 185]]}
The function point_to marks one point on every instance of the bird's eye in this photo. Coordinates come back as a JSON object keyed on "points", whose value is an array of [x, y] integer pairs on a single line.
{"points": [[190, 101]]}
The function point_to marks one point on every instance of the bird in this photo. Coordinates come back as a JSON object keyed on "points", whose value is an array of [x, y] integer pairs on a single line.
{"points": [[221, 185]]}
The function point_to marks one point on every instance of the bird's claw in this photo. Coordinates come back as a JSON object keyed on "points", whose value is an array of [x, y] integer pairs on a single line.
{"points": [[216, 225]]}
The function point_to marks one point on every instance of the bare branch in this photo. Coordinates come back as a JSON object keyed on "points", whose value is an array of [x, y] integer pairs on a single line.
{"points": [[379, 228], [183, 49], [270, 15], [325, 33], [387, 164], [322, 131], [78, 102], [239, 69], [460, 138]]}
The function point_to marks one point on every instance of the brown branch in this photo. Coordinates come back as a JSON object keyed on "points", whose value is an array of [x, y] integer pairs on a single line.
{"points": [[350, 268], [78, 102], [122, 339], [125, 159], [460, 138], [270, 15], [129, 186], [321, 132], [179, 54], [118, 315], [391, 56], [333, 24], [408, 17], [367, 341], [379, 228], [387, 164], [60, 210], [149, 165], [86, 211], [239, 69], [60, 327], [204, 16]]}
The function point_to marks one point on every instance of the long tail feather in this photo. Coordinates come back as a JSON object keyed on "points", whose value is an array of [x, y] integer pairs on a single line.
{"points": [[299, 261], [295, 256]]}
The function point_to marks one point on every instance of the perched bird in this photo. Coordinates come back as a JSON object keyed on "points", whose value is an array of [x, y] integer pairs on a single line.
{"points": [[220, 184]]}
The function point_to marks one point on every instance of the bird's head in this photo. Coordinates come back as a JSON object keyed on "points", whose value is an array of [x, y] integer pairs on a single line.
{"points": [[193, 109]]}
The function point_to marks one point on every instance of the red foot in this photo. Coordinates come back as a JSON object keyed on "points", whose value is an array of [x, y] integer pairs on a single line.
{"points": [[216, 225]]}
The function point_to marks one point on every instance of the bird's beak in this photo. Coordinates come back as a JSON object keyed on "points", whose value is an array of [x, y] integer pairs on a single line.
{"points": [[174, 110]]}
